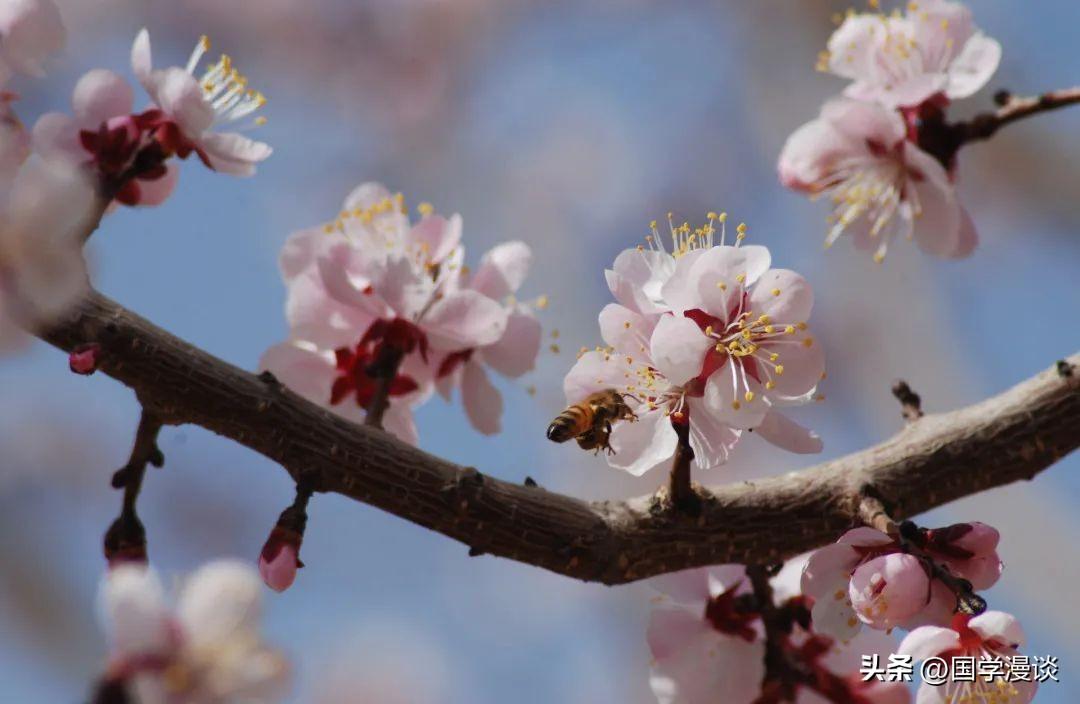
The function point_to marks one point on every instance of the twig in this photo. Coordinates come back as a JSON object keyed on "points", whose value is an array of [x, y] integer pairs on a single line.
{"points": [[680, 489], [943, 457], [126, 538], [910, 403], [1012, 109]]}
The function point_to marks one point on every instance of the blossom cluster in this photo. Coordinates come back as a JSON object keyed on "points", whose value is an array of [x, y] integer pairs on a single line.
{"points": [[54, 177], [208, 649], [375, 300], [705, 340], [708, 643], [876, 152]]}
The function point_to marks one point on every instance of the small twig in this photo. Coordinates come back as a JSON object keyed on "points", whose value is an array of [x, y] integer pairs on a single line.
{"points": [[126, 538], [910, 402], [385, 369], [872, 512], [680, 490], [1012, 109]]}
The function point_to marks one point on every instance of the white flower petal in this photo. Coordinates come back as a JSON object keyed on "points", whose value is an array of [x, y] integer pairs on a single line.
{"points": [[643, 444]]}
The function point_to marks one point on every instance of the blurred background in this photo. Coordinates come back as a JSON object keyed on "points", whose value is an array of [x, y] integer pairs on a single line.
{"points": [[569, 125]]}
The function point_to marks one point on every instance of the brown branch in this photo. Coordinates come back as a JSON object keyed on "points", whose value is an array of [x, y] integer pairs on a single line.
{"points": [[1013, 108], [1012, 436], [680, 490], [385, 369]]}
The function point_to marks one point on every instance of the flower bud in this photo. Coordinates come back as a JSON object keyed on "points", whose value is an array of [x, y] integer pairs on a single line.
{"points": [[280, 558], [889, 589], [84, 359]]}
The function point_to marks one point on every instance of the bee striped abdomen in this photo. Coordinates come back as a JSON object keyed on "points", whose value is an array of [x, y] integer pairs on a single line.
{"points": [[572, 422]]}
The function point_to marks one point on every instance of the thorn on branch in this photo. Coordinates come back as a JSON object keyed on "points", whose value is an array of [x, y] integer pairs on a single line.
{"points": [[531, 483], [1002, 98], [1064, 369], [910, 402], [475, 551]]}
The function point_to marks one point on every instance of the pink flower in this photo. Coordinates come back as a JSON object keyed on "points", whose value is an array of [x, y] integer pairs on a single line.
{"points": [[370, 283], [901, 61], [705, 648], [189, 110], [864, 578], [501, 272], [707, 641], [881, 185], [993, 635], [14, 141], [30, 30], [43, 216], [104, 133], [207, 649], [332, 379], [708, 338], [758, 353], [969, 550]]}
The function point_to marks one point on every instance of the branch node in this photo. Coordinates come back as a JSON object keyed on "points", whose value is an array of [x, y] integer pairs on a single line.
{"points": [[267, 377], [1002, 97], [531, 483], [910, 402], [1064, 369]]}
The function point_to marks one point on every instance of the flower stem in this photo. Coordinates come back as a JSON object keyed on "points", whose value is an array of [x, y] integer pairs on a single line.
{"points": [[1015, 108], [384, 369], [683, 498]]}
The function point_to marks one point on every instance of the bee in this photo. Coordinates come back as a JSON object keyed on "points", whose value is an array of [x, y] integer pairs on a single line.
{"points": [[589, 422]]}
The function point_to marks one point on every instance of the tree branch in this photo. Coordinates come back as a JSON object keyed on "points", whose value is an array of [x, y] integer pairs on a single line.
{"points": [[1013, 108], [942, 457]]}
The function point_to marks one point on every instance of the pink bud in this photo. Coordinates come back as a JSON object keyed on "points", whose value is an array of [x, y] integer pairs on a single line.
{"points": [[889, 589], [84, 359], [280, 558]]}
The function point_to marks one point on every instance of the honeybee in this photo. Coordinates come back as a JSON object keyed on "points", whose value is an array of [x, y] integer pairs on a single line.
{"points": [[589, 422]]}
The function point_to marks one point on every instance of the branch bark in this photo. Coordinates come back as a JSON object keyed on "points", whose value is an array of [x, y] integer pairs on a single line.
{"points": [[941, 457], [1013, 108]]}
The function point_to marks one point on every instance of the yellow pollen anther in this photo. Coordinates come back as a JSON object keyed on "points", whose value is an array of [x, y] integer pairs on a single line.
{"points": [[542, 302], [790, 330], [425, 209], [808, 342], [770, 385], [741, 278], [769, 329], [555, 334], [776, 292], [709, 330], [749, 396], [736, 405], [626, 325], [741, 227], [721, 285], [773, 357], [779, 370], [711, 215]]}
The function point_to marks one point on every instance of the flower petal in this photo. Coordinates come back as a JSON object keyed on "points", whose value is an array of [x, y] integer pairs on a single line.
{"points": [[973, 67], [134, 611], [233, 153], [502, 269], [828, 570], [671, 629], [515, 352], [483, 402], [594, 371], [1000, 627], [179, 94], [643, 444], [221, 600], [158, 190], [938, 214], [785, 433], [783, 295], [927, 641], [678, 348], [141, 60], [99, 95], [710, 438], [628, 332], [462, 320]]}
